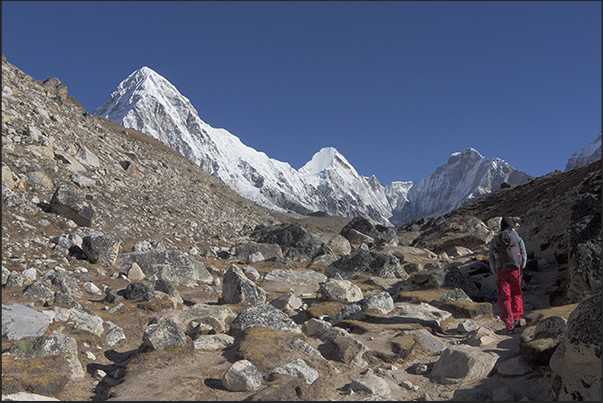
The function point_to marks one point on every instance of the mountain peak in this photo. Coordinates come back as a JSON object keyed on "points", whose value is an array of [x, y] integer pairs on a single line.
{"points": [[327, 157]]}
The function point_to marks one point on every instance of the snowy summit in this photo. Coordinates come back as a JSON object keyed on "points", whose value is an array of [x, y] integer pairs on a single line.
{"points": [[328, 183]]}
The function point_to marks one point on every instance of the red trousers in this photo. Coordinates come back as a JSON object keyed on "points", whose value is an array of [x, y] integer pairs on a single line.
{"points": [[510, 301]]}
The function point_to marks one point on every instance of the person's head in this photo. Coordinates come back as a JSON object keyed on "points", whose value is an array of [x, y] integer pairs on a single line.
{"points": [[506, 222]]}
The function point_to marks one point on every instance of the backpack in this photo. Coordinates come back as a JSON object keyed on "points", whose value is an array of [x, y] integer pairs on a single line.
{"points": [[507, 246]]}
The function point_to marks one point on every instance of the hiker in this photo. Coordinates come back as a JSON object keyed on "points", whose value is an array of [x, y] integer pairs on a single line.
{"points": [[507, 259]]}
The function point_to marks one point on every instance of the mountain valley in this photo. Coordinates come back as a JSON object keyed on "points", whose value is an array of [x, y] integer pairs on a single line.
{"points": [[131, 272]]}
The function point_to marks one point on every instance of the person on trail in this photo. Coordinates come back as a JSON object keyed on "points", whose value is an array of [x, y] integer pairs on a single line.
{"points": [[507, 258]]}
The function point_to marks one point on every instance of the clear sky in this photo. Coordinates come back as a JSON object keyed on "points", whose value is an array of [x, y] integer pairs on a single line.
{"points": [[394, 86]]}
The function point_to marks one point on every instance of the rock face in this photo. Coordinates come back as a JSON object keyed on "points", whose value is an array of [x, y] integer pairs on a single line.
{"points": [[143, 302], [577, 360]]}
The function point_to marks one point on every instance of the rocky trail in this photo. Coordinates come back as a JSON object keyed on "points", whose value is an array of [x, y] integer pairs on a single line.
{"points": [[129, 273]]}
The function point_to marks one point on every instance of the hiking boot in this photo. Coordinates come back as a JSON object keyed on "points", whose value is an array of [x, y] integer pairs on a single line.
{"points": [[511, 331]]}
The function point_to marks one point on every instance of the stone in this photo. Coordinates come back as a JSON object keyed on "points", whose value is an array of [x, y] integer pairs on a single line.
{"points": [[577, 360], [316, 326], [371, 383], [87, 322], [302, 277], [515, 366], [54, 344], [294, 241], [40, 178], [266, 316], [237, 287], [349, 312], [371, 263], [20, 322], [462, 364], [348, 350], [163, 334], [423, 314], [101, 248], [170, 265], [242, 376], [339, 290], [135, 273], [287, 302], [381, 302], [551, 326], [216, 317], [296, 368], [70, 203], [213, 342]]}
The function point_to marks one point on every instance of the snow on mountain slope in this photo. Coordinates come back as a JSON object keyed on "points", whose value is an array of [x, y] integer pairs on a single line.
{"points": [[586, 155], [328, 183], [147, 102], [466, 176]]}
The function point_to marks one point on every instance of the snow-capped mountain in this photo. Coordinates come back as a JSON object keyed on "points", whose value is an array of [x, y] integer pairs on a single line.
{"points": [[328, 183], [147, 102], [466, 176], [586, 155]]}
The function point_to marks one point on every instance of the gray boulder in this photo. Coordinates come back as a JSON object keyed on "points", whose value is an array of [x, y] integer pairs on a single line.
{"points": [[101, 248], [266, 316], [242, 376], [371, 263], [237, 287], [246, 251], [462, 364], [296, 368], [39, 290], [577, 360], [170, 265], [303, 277], [339, 290], [54, 344], [371, 383], [295, 241], [381, 302], [163, 334], [19, 322], [69, 202]]}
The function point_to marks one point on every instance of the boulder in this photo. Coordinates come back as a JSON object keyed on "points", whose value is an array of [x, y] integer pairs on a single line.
{"points": [[295, 368], [371, 263], [242, 376], [302, 277], [462, 364], [71, 203], [381, 302], [246, 251], [20, 322], [217, 317], [163, 334], [170, 265], [423, 314], [237, 287], [266, 316], [371, 383], [101, 248], [577, 360], [339, 290], [54, 344], [295, 241]]}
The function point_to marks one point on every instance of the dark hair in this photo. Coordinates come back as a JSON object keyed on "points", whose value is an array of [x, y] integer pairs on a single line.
{"points": [[506, 222]]}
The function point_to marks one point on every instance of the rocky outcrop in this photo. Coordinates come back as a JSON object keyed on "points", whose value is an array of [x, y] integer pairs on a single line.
{"points": [[577, 360]]}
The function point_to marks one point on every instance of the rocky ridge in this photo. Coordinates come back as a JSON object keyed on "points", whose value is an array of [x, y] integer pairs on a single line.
{"points": [[129, 273]]}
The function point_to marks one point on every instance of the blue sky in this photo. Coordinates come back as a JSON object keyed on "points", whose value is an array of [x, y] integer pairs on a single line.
{"points": [[395, 86]]}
